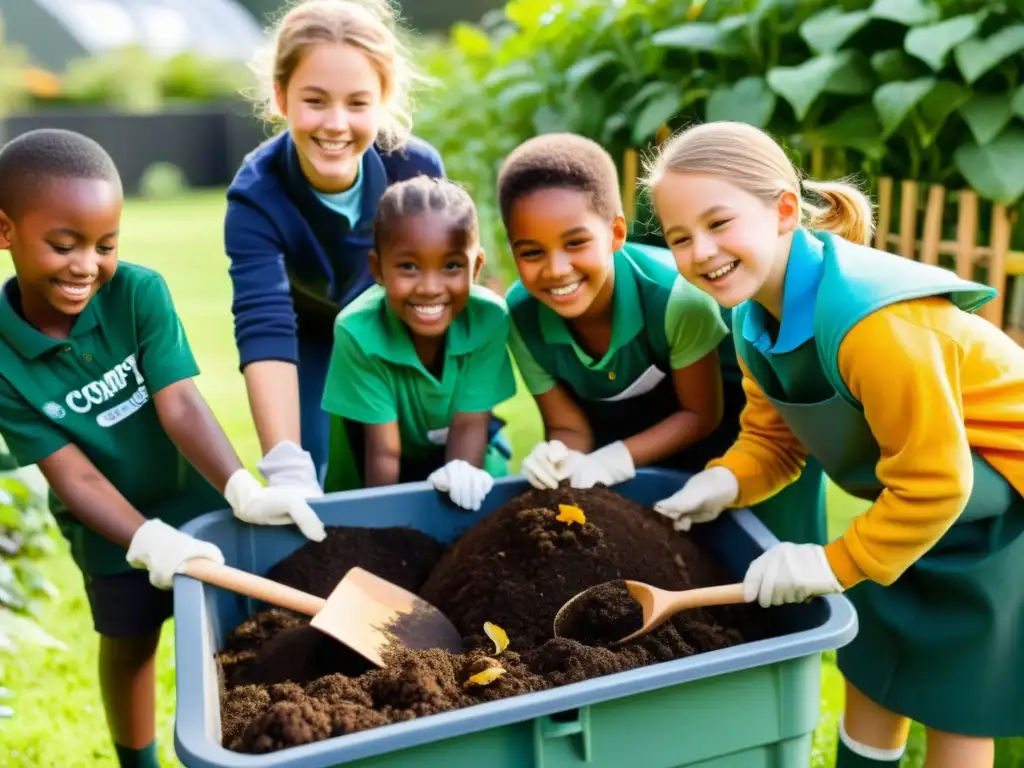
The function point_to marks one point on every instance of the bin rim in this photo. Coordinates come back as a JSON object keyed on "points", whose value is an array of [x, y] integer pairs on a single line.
{"points": [[838, 629]]}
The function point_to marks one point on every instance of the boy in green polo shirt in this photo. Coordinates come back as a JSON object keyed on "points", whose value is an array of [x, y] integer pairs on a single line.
{"points": [[619, 351], [96, 389], [420, 359]]}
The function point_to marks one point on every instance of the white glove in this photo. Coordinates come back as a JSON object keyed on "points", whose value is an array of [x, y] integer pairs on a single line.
{"points": [[164, 551], [701, 499], [608, 466], [548, 464], [287, 465], [253, 503], [789, 573], [465, 484]]}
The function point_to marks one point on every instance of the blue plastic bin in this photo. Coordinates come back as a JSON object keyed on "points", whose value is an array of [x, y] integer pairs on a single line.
{"points": [[750, 706]]}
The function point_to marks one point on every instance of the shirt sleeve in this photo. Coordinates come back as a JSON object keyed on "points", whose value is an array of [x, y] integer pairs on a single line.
{"points": [[358, 386], [30, 436], [538, 379], [264, 314], [693, 324], [487, 379], [164, 352], [766, 456], [914, 407]]}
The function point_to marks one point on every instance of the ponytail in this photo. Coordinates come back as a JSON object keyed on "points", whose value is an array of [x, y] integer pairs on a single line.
{"points": [[751, 159], [847, 212]]}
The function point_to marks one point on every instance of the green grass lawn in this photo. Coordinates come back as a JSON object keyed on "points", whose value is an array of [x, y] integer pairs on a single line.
{"points": [[59, 719]]}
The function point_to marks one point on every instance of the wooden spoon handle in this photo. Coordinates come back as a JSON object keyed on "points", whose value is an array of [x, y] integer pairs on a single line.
{"points": [[727, 594], [245, 583]]}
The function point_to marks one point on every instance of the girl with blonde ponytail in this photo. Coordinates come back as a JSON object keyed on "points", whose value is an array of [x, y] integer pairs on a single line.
{"points": [[877, 367]]}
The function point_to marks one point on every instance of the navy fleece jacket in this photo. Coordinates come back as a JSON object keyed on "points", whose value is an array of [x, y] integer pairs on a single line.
{"points": [[294, 263]]}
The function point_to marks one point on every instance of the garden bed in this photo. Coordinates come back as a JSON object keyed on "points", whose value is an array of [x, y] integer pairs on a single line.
{"points": [[285, 684]]}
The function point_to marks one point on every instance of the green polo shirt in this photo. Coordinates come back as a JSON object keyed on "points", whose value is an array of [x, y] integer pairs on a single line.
{"points": [[375, 376], [658, 319], [94, 389]]}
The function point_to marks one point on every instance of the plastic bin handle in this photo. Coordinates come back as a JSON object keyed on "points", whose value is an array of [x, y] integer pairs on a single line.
{"points": [[251, 585], [546, 729]]}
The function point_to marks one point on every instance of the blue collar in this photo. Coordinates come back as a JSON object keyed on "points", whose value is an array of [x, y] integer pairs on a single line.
{"points": [[799, 292], [373, 180]]}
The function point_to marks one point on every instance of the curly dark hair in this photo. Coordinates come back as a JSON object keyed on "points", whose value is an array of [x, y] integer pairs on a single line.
{"points": [[560, 161]]}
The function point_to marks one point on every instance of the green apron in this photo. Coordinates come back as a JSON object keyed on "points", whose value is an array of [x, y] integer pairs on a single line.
{"points": [[798, 512], [944, 644]]}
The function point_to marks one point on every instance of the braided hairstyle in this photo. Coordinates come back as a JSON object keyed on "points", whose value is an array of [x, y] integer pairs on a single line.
{"points": [[424, 194]]}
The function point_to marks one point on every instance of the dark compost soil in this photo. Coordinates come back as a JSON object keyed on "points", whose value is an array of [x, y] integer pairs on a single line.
{"points": [[285, 684]]}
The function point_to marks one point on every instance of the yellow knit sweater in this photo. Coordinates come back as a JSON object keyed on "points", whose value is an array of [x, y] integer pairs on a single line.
{"points": [[935, 383]]}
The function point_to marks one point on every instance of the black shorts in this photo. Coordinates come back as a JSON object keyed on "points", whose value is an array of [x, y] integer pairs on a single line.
{"points": [[126, 605]]}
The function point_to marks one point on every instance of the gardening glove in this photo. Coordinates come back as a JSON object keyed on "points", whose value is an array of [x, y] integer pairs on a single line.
{"points": [[164, 551], [549, 463], [789, 573], [607, 466], [465, 484], [253, 503], [703, 498], [287, 465]]}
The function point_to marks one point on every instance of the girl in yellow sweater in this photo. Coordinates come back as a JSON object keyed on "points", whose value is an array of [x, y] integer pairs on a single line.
{"points": [[876, 366]]}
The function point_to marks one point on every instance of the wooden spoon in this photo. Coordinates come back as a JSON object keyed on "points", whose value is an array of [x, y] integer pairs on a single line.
{"points": [[660, 605], [365, 612]]}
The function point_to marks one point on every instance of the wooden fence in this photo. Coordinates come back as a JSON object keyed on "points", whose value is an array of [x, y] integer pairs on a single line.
{"points": [[901, 230]]}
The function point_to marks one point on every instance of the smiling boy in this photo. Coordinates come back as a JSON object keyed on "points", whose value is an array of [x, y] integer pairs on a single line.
{"points": [[96, 388]]}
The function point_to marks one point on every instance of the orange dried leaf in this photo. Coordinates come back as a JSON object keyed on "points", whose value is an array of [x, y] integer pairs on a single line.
{"points": [[486, 677], [498, 636], [570, 513]]}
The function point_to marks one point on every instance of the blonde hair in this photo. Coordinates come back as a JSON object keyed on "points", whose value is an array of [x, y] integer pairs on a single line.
{"points": [[749, 158], [370, 26]]}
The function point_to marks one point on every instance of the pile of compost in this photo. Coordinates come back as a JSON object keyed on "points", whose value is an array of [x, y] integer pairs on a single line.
{"points": [[285, 684]]}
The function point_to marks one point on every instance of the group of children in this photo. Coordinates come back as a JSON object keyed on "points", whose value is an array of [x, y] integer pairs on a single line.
{"points": [[762, 342]]}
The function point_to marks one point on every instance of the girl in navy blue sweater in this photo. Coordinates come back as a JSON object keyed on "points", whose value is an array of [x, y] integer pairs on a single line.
{"points": [[298, 223]]}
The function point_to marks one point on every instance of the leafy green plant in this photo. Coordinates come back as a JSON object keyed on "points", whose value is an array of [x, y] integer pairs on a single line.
{"points": [[26, 536], [929, 90]]}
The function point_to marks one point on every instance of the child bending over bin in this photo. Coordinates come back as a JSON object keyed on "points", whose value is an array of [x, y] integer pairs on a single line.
{"points": [[877, 366], [420, 359], [96, 388], [623, 355]]}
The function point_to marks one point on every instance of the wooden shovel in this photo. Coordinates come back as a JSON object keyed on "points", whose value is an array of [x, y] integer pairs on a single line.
{"points": [[660, 605], [364, 611]]}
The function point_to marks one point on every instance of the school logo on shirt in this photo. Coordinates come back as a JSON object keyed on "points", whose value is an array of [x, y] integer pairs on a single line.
{"points": [[54, 410], [109, 387]]}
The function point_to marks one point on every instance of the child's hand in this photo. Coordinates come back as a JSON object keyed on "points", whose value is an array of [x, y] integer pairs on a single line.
{"points": [[701, 499], [465, 484], [789, 573], [607, 466], [287, 465], [164, 551], [253, 503], [548, 464]]}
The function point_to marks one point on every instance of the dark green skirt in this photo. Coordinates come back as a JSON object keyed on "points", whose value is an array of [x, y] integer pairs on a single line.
{"points": [[797, 512], [944, 644]]}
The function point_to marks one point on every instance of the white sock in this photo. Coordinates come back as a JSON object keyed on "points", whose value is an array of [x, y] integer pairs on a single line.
{"points": [[870, 753]]}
